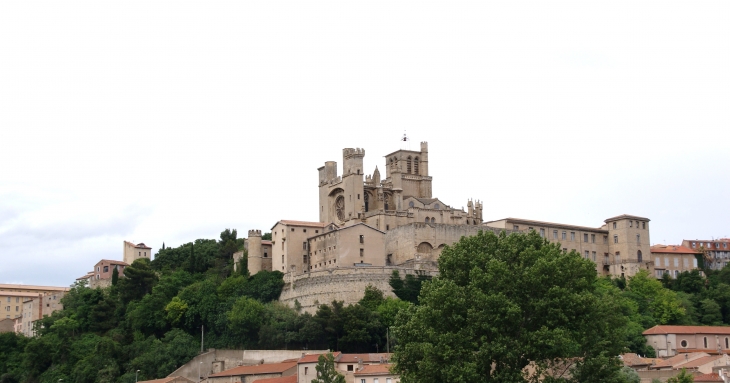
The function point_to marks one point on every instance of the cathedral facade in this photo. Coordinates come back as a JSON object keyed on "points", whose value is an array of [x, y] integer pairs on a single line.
{"points": [[370, 226]]}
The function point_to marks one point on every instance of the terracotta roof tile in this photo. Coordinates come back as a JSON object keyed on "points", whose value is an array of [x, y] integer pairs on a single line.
{"points": [[302, 223], [163, 380], [664, 329], [313, 358], [283, 379], [623, 216], [551, 224], [708, 378], [680, 359], [631, 359], [700, 361], [32, 287], [366, 358], [113, 262], [271, 368], [374, 369], [673, 249]]}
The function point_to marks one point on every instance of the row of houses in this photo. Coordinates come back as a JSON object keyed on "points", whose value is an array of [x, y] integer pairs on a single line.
{"points": [[210, 367]]}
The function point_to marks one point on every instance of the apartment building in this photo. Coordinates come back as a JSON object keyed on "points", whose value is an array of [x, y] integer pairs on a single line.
{"points": [[12, 297], [36, 308], [716, 252], [674, 259]]}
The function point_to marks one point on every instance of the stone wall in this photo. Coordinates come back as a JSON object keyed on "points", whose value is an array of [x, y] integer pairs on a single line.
{"points": [[343, 284]]}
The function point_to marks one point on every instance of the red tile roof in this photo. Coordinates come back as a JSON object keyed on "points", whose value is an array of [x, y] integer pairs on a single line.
{"points": [[366, 358], [302, 223], [623, 216], [374, 369], [266, 242], [631, 359], [164, 380], [313, 358], [708, 378], [700, 361], [283, 379], [679, 359], [113, 262], [272, 368], [673, 249], [663, 330]]}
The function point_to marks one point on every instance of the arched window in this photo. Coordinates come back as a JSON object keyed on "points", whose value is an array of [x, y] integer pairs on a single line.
{"points": [[415, 166], [428, 220], [638, 256], [408, 164], [411, 204], [433, 220]]}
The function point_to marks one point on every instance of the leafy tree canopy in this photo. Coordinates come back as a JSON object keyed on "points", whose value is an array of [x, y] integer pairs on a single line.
{"points": [[503, 303]]}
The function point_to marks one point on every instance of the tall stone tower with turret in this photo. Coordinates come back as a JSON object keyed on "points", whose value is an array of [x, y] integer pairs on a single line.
{"points": [[255, 258]]}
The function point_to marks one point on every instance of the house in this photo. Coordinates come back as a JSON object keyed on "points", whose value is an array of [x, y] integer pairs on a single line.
{"points": [[376, 373], [248, 374], [306, 366]]}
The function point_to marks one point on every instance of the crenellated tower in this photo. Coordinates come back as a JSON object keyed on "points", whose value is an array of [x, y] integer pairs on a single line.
{"points": [[341, 199]]}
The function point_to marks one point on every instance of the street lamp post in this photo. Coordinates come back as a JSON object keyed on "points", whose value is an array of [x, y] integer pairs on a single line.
{"points": [[135, 376]]}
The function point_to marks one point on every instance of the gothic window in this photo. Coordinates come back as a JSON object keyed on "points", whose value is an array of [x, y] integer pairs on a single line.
{"points": [[367, 201], [415, 166], [437, 206], [408, 165], [411, 204], [638, 256], [340, 208], [427, 220], [433, 220]]}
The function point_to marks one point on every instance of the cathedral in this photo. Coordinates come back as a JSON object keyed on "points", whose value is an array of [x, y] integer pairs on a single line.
{"points": [[370, 226]]}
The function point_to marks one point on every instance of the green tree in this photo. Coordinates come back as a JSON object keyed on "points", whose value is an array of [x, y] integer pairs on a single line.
{"points": [[326, 372], [139, 280], [662, 304], [266, 236], [245, 318], [115, 276], [629, 375], [407, 288], [710, 313], [373, 298], [503, 303], [682, 377]]}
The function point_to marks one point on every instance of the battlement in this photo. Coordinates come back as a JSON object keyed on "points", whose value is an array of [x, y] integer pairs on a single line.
{"points": [[424, 146], [353, 152], [254, 233]]}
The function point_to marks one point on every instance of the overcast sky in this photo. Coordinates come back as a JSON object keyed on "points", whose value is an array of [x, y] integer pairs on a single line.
{"points": [[156, 122]]}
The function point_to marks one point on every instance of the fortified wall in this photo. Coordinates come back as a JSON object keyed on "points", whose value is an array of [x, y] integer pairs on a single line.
{"points": [[342, 284], [420, 244]]}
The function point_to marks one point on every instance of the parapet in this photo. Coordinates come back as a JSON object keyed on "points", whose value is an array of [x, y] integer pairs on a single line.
{"points": [[353, 152], [424, 146], [254, 233]]}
